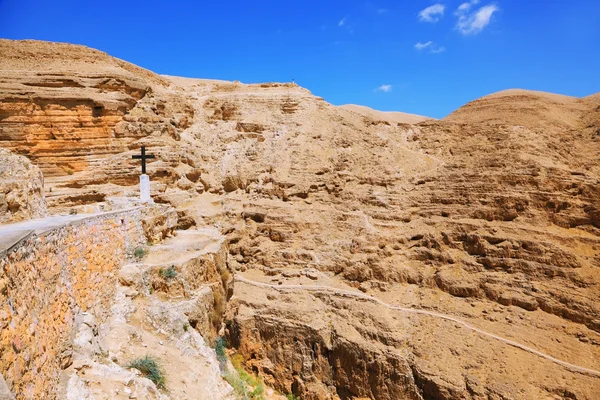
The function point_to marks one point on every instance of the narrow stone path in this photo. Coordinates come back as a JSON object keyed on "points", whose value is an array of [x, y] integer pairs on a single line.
{"points": [[12, 234], [318, 288]]}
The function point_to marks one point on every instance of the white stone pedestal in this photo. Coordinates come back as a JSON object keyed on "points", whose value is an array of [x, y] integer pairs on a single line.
{"points": [[145, 188]]}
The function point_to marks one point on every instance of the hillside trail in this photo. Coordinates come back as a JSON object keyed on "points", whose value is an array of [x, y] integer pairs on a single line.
{"points": [[13, 233], [358, 295]]}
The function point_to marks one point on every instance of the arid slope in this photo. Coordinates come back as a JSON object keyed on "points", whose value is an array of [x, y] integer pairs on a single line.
{"points": [[390, 116], [490, 216]]}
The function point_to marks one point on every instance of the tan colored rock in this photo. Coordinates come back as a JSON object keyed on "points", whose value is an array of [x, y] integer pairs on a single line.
{"points": [[130, 275], [21, 189], [489, 215], [5, 393], [159, 221]]}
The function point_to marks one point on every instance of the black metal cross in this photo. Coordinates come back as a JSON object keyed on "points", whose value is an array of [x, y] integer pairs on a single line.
{"points": [[143, 157]]}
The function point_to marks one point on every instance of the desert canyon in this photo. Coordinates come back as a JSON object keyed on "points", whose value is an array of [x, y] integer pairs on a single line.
{"points": [[339, 253]]}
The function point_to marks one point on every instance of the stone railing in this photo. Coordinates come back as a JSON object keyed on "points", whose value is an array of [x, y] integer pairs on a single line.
{"points": [[46, 280]]}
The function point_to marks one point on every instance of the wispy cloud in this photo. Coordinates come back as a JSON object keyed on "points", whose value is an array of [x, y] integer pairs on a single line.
{"points": [[466, 6], [432, 13], [422, 46], [384, 88], [472, 21], [430, 46], [382, 10], [342, 21]]}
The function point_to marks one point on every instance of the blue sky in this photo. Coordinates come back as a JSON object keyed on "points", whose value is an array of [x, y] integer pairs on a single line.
{"points": [[424, 57]]}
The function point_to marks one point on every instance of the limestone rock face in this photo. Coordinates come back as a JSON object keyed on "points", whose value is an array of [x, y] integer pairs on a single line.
{"points": [[159, 221], [21, 189], [489, 216], [70, 109]]}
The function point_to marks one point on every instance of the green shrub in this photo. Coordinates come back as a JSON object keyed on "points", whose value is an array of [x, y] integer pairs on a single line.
{"points": [[246, 377], [139, 252], [238, 385], [150, 369], [169, 273], [258, 391], [220, 346], [292, 397], [240, 380], [186, 326]]}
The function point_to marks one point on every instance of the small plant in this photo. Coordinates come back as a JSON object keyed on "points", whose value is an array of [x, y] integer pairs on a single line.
{"points": [[238, 385], [240, 380], [169, 273], [258, 392], [150, 369], [237, 361], [292, 397], [219, 307], [139, 252], [249, 379], [225, 276], [186, 326], [220, 346]]}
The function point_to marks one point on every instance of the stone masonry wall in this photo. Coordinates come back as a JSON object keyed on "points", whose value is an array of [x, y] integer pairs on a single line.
{"points": [[45, 281]]}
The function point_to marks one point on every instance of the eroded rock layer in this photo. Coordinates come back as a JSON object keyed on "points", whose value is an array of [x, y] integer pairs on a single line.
{"points": [[21, 188], [71, 109], [489, 216]]}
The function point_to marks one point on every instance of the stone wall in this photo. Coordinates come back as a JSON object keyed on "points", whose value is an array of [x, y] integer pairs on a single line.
{"points": [[46, 281]]}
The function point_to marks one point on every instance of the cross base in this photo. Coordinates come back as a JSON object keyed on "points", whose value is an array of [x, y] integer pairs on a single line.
{"points": [[145, 188]]}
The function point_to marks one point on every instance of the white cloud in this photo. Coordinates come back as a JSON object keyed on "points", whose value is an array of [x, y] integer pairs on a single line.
{"points": [[422, 46], [432, 13], [342, 21], [384, 88], [465, 6], [471, 22], [430, 46]]}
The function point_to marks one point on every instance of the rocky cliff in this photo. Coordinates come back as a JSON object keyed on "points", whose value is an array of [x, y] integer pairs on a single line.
{"points": [[21, 188], [489, 217], [70, 109]]}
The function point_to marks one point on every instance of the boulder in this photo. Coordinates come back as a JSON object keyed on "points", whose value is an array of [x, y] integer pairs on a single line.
{"points": [[159, 221]]}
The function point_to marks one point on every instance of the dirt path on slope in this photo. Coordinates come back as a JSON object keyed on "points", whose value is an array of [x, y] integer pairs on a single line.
{"points": [[341, 292]]}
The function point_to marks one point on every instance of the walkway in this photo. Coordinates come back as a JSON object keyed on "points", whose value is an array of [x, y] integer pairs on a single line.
{"points": [[317, 288], [12, 234]]}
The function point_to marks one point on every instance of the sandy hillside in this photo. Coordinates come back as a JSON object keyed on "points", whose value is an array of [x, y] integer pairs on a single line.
{"points": [[524, 107], [488, 220], [390, 116], [594, 97]]}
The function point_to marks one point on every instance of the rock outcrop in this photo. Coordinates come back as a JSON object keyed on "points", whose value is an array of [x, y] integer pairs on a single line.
{"points": [[165, 308], [21, 189], [77, 112], [489, 216]]}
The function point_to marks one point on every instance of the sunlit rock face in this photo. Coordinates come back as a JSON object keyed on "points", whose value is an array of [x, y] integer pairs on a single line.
{"points": [[21, 189], [489, 215]]}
